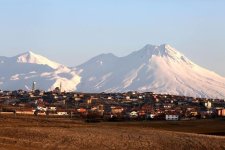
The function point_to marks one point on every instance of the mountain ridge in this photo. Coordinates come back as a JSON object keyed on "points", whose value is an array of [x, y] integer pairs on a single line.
{"points": [[31, 57], [21, 70], [160, 69], [154, 68]]}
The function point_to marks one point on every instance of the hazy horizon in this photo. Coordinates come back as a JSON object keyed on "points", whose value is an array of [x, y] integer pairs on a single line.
{"points": [[71, 32]]}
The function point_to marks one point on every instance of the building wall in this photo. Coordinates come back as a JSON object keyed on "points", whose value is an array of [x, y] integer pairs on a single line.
{"points": [[172, 117], [221, 112]]}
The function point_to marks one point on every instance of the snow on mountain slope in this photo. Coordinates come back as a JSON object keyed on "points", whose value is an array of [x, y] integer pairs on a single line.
{"points": [[30, 57], [20, 71], [160, 69]]}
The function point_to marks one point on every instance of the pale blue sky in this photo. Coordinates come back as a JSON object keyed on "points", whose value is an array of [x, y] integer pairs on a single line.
{"points": [[72, 31]]}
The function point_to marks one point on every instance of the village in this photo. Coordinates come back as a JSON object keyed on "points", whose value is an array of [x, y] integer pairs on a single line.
{"points": [[94, 107]]}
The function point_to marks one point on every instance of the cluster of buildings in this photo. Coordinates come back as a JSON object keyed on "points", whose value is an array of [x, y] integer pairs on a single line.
{"points": [[110, 106]]}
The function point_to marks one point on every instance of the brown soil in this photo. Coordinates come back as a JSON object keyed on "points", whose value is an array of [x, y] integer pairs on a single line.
{"points": [[24, 132]]}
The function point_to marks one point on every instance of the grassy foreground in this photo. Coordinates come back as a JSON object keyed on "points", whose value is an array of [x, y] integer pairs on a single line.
{"points": [[40, 133]]}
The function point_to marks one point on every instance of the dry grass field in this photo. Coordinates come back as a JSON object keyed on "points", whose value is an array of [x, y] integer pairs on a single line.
{"points": [[40, 133]]}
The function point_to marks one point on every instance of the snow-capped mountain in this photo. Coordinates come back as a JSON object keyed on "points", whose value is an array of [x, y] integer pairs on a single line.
{"points": [[20, 71], [32, 58], [160, 69]]}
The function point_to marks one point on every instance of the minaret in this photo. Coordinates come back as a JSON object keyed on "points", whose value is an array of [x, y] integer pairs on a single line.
{"points": [[60, 87], [34, 86]]}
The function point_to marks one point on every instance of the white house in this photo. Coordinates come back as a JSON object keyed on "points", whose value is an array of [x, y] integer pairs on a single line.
{"points": [[52, 108], [62, 113], [133, 114], [172, 117], [208, 105]]}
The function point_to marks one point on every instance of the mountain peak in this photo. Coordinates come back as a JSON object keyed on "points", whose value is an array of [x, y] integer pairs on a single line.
{"points": [[164, 51], [149, 46], [158, 50], [30, 52], [32, 58], [165, 45], [162, 46]]}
